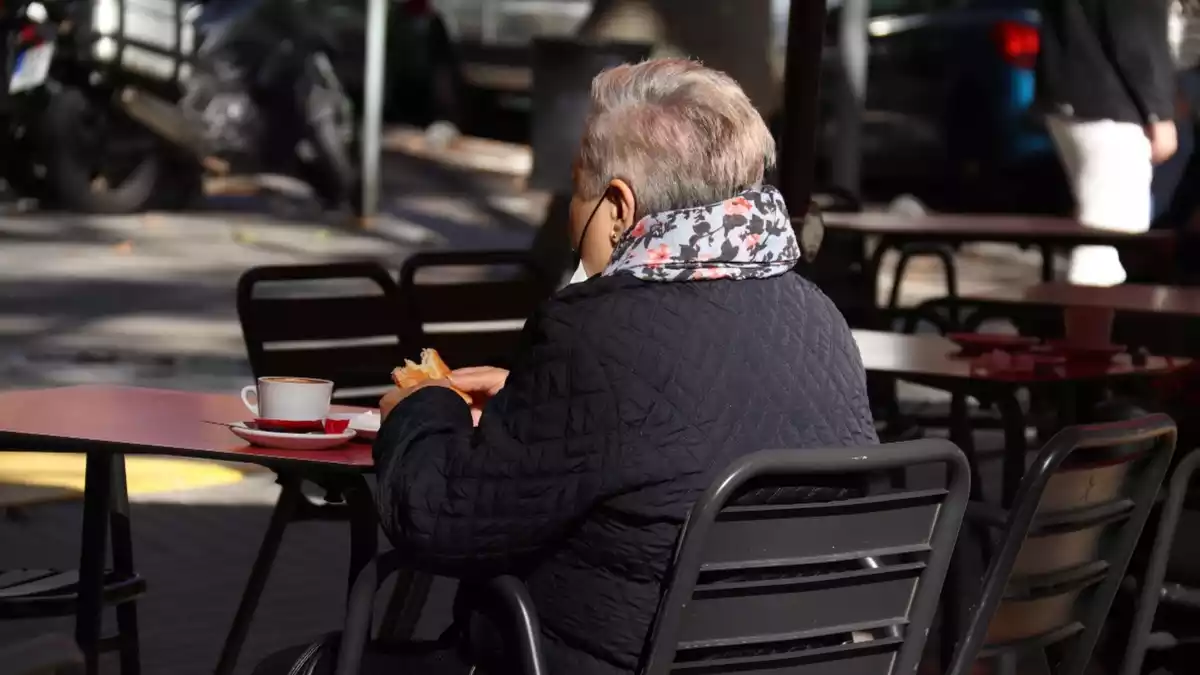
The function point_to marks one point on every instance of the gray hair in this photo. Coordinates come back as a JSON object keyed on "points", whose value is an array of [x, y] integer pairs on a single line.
{"points": [[680, 134]]}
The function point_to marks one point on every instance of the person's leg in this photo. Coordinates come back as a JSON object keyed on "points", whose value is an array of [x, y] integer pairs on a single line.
{"points": [[1108, 166]]}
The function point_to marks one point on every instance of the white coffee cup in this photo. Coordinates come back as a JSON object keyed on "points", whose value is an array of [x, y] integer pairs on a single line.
{"points": [[294, 400]]}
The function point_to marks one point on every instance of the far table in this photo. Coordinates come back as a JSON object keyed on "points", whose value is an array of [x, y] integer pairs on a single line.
{"points": [[1177, 305], [933, 361], [1048, 234], [110, 422]]}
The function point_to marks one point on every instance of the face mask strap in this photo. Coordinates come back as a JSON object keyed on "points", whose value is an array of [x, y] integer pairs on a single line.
{"points": [[583, 235], [588, 224]]}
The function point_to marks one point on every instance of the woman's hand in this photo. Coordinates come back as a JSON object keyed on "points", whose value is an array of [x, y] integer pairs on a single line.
{"points": [[482, 383], [393, 397], [1164, 140]]}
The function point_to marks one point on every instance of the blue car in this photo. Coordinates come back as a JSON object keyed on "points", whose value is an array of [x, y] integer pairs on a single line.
{"points": [[949, 111]]}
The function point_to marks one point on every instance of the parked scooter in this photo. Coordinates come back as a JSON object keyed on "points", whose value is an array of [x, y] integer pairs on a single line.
{"points": [[118, 106]]}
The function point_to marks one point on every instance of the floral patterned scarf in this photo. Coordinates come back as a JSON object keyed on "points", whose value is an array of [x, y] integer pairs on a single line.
{"points": [[749, 236]]}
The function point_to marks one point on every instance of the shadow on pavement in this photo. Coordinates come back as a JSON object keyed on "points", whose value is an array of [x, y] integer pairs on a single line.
{"points": [[196, 558]]}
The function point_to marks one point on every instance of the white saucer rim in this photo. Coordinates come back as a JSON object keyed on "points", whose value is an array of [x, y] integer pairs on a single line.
{"points": [[345, 435]]}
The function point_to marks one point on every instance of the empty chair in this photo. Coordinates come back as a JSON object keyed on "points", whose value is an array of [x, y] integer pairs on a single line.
{"points": [[338, 322], [1157, 583], [473, 315], [1063, 549]]}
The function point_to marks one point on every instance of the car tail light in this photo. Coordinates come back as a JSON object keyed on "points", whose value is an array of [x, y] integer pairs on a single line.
{"points": [[1018, 42]]}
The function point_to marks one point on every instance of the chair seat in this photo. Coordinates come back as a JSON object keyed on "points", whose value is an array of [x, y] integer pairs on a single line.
{"points": [[42, 593]]}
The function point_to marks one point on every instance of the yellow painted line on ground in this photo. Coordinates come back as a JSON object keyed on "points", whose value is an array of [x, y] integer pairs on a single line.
{"points": [[144, 475]]}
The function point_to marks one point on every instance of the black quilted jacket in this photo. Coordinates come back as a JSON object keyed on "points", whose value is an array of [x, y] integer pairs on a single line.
{"points": [[628, 397]]}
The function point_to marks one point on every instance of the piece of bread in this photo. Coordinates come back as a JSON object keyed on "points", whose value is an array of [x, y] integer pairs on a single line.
{"points": [[431, 367]]}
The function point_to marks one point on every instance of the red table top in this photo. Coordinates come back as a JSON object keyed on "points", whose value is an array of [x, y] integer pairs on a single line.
{"points": [[1141, 298], [980, 227], [933, 356], [149, 421]]}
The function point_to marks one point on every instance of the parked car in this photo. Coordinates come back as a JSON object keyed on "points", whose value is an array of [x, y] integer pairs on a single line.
{"points": [[949, 107]]}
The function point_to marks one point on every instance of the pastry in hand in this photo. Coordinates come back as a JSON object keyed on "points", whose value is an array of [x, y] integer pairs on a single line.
{"points": [[431, 367]]}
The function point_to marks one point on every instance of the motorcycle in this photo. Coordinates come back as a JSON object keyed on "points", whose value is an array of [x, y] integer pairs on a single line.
{"points": [[118, 106]]}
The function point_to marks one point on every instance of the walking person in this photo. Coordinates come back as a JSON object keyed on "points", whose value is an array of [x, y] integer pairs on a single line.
{"points": [[1106, 79]]}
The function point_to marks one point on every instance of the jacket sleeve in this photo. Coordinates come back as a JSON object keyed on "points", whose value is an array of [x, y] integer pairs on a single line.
{"points": [[1135, 36], [472, 502]]}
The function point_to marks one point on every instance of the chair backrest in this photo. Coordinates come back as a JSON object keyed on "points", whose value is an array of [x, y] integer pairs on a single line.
{"points": [[340, 322], [1067, 543], [841, 586], [475, 320]]}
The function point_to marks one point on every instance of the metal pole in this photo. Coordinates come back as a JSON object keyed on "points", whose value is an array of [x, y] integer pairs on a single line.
{"points": [[372, 128], [852, 60], [802, 74]]}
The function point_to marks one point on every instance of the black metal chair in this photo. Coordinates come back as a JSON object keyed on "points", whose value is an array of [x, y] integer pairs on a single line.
{"points": [[1063, 550], [50, 654], [1153, 588], [340, 322], [770, 575], [476, 320]]}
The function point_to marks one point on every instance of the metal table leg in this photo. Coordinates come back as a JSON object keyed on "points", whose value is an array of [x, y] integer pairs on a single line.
{"points": [[284, 511], [97, 495], [364, 528], [1047, 262], [1015, 446], [962, 436], [122, 555]]}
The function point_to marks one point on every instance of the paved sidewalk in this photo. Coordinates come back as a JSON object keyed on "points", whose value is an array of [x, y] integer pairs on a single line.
{"points": [[195, 581], [150, 299]]}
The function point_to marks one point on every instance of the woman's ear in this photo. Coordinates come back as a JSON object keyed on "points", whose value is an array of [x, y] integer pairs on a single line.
{"points": [[624, 206]]}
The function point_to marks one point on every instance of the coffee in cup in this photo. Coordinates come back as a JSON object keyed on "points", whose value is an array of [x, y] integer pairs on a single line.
{"points": [[289, 403]]}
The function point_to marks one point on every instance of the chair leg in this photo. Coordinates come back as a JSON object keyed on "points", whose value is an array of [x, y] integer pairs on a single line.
{"points": [[952, 614], [364, 528], [403, 610], [285, 509], [122, 553], [1006, 664], [1156, 568]]}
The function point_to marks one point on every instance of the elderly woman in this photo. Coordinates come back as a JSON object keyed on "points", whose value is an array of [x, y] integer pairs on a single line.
{"points": [[692, 342]]}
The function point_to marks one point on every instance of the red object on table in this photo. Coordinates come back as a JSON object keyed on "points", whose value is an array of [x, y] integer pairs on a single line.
{"points": [[933, 356], [974, 344], [132, 420], [1083, 353]]}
